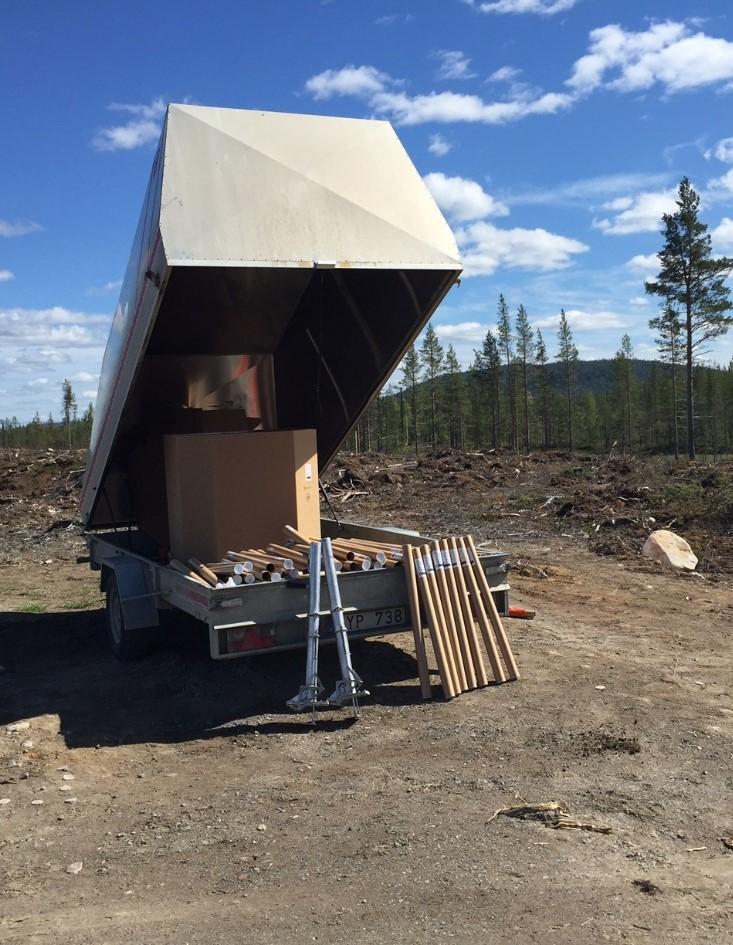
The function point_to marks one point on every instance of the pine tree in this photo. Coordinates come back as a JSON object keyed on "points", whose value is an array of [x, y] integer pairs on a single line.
{"points": [[432, 362], [541, 360], [68, 406], [455, 389], [410, 369], [524, 355], [491, 361], [505, 344], [567, 354], [623, 361], [669, 345], [692, 282]]}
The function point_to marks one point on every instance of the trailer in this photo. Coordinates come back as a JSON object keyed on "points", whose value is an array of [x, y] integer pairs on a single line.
{"points": [[282, 266]]}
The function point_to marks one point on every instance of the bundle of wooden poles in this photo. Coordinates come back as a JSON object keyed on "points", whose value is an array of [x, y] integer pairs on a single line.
{"points": [[289, 559], [449, 592]]}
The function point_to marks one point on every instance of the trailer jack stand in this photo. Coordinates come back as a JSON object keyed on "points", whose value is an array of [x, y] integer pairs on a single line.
{"points": [[309, 696], [350, 687]]}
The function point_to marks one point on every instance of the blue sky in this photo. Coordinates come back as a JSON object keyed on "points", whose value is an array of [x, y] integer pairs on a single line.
{"points": [[551, 132]]}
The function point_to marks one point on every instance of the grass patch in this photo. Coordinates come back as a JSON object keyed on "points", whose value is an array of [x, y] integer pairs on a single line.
{"points": [[85, 603], [33, 608]]}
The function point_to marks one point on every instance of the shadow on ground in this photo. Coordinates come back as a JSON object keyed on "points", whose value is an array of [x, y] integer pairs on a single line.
{"points": [[59, 663]]}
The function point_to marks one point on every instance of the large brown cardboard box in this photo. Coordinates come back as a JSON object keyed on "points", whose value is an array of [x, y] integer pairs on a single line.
{"points": [[228, 491]]}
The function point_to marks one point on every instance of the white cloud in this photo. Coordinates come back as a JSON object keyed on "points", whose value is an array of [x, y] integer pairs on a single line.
{"points": [[723, 151], [377, 88], [108, 287], [448, 107], [85, 377], [543, 7], [393, 18], [582, 320], [639, 214], [639, 300], [462, 331], [462, 199], [143, 127], [486, 247], [721, 187], [439, 146], [722, 235], [18, 227], [588, 189], [55, 326], [643, 264], [454, 65], [666, 53], [505, 74], [352, 80], [6, 275], [38, 382], [90, 394]]}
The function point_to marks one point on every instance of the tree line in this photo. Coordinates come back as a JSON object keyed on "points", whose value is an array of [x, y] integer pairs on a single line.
{"points": [[516, 396], [70, 431]]}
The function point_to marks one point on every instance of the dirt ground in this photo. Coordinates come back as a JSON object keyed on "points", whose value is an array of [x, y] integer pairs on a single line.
{"points": [[176, 800]]}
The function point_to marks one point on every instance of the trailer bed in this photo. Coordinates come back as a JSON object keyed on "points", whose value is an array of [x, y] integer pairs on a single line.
{"points": [[259, 618]]}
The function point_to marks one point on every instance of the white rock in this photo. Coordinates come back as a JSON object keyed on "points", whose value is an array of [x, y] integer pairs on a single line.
{"points": [[668, 548], [4, 800], [67, 777], [19, 727], [74, 868]]}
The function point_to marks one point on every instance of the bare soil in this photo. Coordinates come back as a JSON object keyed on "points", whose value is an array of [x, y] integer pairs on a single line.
{"points": [[201, 811]]}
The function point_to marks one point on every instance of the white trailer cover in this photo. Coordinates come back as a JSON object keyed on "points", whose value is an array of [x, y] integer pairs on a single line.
{"points": [[281, 266]]}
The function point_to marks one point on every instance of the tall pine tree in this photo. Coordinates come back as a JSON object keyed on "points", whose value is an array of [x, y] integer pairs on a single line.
{"points": [[432, 363], [524, 356], [692, 282], [506, 342], [567, 355]]}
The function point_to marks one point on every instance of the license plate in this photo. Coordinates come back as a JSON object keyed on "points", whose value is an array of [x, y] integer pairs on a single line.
{"points": [[385, 619]]}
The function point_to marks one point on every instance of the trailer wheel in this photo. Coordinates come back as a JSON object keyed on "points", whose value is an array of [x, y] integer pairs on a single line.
{"points": [[126, 644]]}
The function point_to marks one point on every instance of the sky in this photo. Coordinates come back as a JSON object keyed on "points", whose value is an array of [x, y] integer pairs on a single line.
{"points": [[552, 134]]}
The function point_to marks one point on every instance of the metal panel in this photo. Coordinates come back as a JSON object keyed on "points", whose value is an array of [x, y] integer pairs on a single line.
{"points": [[307, 247]]}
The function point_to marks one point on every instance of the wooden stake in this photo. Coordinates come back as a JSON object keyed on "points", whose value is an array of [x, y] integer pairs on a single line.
{"points": [[441, 547], [417, 630], [468, 619], [480, 614], [437, 633], [453, 653], [442, 584], [501, 637]]}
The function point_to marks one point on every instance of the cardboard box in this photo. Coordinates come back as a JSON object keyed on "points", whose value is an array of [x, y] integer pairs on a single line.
{"points": [[227, 491]]}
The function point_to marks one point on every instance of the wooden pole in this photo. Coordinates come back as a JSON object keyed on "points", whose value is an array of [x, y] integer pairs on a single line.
{"points": [[453, 652], [480, 613], [464, 616], [441, 547], [501, 637], [468, 618], [417, 630], [442, 586], [437, 632]]}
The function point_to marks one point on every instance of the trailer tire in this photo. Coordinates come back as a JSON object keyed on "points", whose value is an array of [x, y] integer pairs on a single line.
{"points": [[126, 644]]}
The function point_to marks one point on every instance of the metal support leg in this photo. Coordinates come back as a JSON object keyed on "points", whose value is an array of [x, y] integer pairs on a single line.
{"points": [[310, 693], [350, 686]]}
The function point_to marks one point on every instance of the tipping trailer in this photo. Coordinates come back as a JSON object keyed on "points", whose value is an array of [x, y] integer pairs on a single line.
{"points": [[281, 267]]}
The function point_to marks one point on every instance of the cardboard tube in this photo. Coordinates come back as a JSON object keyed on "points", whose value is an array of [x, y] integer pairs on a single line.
{"points": [[204, 572], [437, 635], [442, 583], [297, 535], [501, 637], [466, 653], [423, 560], [181, 568], [417, 630], [468, 619], [480, 613]]}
